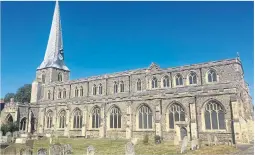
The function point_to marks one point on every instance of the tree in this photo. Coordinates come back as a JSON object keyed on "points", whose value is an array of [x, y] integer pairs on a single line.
{"points": [[23, 94], [9, 127], [8, 96]]}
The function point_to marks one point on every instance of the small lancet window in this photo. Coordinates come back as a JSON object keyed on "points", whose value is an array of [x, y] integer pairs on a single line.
{"points": [[166, 82], [139, 85], [94, 89], [192, 78], [60, 77], [154, 83], [121, 86], [115, 87], [100, 89], [212, 76], [178, 80]]}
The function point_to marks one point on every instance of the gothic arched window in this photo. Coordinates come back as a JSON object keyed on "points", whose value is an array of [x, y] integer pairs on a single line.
{"points": [[64, 93], [145, 117], [77, 119], [62, 119], [94, 89], [154, 83], [95, 117], [49, 119], [48, 95], [115, 118], [81, 91], [43, 78], [76, 92], [100, 89], [60, 77], [121, 86], [211, 76], [192, 78], [176, 114], [115, 87], [214, 116], [139, 85], [178, 80], [23, 123], [166, 82]]}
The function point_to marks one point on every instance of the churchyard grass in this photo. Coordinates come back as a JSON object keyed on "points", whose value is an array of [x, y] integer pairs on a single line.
{"points": [[117, 147]]}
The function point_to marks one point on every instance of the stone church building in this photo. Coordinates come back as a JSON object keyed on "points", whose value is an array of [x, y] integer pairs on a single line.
{"points": [[194, 100]]}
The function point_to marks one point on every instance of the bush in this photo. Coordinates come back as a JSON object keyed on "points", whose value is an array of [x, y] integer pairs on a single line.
{"points": [[157, 139], [146, 139], [9, 127]]}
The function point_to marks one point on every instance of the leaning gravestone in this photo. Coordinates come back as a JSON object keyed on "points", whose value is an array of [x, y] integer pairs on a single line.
{"points": [[42, 151], [184, 144], [90, 150], [209, 139], [215, 139], [129, 149]]}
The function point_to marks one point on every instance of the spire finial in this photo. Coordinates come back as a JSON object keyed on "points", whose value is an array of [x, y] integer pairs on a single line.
{"points": [[237, 53]]}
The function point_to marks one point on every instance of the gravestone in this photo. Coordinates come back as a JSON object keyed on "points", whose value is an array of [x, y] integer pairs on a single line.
{"points": [[50, 140], [129, 149], [1, 133], [90, 150], [134, 141], [215, 139], [209, 139], [184, 144], [176, 140], [8, 134], [194, 144], [42, 151], [56, 149], [15, 134], [67, 149]]}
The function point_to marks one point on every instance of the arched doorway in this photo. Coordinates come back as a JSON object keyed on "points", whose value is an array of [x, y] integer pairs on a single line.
{"points": [[9, 118], [183, 132]]}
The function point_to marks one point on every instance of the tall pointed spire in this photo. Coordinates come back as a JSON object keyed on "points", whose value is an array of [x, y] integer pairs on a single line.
{"points": [[54, 55]]}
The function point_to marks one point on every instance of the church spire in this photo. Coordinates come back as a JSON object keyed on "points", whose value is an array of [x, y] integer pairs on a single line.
{"points": [[54, 55]]}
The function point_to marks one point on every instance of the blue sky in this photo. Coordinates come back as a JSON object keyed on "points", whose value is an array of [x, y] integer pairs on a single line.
{"points": [[105, 37]]}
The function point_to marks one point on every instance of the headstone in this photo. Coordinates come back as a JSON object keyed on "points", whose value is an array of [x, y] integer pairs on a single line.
{"points": [[176, 140], [67, 149], [1, 133], [8, 134], [90, 150], [184, 144], [15, 134], [209, 139], [194, 144], [130, 150], [42, 151], [215, 139], [56, 149], [134, 141], [50, 140]]}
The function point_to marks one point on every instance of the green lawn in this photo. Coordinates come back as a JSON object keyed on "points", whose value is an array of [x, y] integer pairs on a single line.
{"points": [[117, 147]]}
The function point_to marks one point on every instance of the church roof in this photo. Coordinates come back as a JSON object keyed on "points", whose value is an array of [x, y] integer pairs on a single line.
{"points": [[54, 55]]}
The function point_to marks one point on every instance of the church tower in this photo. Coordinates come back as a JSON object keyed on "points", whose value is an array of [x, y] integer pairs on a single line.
{"points": [[53, 68]]}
